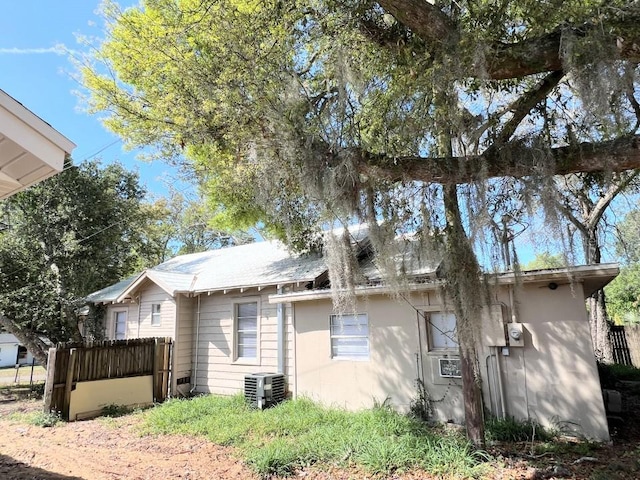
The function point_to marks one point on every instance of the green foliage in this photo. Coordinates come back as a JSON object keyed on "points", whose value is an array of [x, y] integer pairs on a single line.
{"points": [[623, 296], [295, 434], [610, 374], [114, 411], [511, 430], [40, 419], [421, 406], [70, 235], [545, 260], [628, 242], [276, 106]]}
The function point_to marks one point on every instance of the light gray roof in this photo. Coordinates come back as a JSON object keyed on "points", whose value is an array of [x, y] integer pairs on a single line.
{"points": [[112, 292], [257, 264], [252, 265], [8, 338]]}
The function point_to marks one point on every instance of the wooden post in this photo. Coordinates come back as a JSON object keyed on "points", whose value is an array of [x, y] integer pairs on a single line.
{"points": [[73, 355], [156, 389], [166, 362], [50, 381]]}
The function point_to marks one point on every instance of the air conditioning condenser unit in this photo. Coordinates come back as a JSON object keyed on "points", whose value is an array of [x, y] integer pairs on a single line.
{"points": [[263, 390]]}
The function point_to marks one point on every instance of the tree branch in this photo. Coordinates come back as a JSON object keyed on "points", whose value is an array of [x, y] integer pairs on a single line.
{"points": [[512, 160], [34, 344], [614, 189], [521, 107], [511, 60], [424, 19]]}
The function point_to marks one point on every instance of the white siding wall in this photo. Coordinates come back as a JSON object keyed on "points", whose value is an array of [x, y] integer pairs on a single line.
{"points": [[183, 348], [217, 369], [154, 294]]}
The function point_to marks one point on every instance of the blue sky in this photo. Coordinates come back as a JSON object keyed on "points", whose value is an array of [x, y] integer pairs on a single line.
{"points": [[36, 71]]}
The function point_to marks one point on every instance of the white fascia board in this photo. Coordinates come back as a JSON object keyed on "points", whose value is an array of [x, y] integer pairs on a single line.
{"points": [[17, 119]]}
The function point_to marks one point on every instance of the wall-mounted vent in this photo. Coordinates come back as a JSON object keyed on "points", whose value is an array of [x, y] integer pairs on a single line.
{"points": [[263, 390], [449, 367]]}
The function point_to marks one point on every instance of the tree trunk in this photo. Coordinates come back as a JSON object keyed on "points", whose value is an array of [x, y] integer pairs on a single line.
{"points": [[463, 288], [598, 319], [34, 344], [600, 328]]}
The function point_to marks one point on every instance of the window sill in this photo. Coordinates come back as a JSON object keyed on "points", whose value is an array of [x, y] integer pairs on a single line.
{"points": [[350, 359], [246, 361], [445, 352]]}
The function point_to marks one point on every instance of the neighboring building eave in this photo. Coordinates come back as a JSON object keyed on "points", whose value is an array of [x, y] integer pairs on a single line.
{"points": [[31, 150], [593, 277]]}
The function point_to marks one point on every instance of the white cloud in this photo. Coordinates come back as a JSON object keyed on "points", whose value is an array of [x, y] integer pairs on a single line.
{"points": [[57, 50]]}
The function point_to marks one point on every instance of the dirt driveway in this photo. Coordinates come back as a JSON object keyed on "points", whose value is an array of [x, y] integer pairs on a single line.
{"points": [[99, 450]]}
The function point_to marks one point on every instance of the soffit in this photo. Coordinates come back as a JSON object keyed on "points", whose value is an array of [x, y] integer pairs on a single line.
{"points": [[30, 149]]}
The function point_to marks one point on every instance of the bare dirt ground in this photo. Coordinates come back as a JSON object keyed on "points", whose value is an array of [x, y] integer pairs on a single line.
{"points": [[110, 449]]}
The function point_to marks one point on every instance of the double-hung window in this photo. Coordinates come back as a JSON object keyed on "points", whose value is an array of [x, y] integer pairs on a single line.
{"points": [[155, 315], [443, 334], [246, 323], [349, 336], [120, 325]]}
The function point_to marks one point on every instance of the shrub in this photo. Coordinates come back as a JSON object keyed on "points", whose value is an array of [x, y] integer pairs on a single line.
{"points": [[511, 430], [610, 374]]}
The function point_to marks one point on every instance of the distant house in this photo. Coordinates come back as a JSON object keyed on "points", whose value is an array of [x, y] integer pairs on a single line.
{"points": [[258, 308], [12, 353]]}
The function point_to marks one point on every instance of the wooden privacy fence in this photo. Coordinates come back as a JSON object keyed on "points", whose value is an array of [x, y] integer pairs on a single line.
{"points": [[632, 334], [70, 364]]}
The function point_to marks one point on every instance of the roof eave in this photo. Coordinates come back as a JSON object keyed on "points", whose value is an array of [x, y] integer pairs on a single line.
{"points": [[593, 277]]}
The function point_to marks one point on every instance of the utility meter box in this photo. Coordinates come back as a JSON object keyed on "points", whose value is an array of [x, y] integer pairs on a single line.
{"points": [[515, 332]]}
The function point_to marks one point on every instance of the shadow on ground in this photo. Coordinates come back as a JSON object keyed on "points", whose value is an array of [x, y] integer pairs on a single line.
{"points": [[11, 469]]}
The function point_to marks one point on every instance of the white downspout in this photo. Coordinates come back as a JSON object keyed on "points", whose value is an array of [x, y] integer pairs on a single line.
{"points": [[139, 315], [280, 331], [197, 343]]}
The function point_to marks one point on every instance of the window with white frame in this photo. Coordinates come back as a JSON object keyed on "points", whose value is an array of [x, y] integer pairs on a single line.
{"points": [[246, 324], [155, 315], [120, 325], [442, 331], [349, 336]]}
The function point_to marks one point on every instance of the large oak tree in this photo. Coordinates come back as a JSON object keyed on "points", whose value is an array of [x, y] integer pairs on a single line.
{"points": [[413, 112], [64, 238]]}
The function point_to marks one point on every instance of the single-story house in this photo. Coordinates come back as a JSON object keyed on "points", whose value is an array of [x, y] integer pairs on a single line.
{"points": [[12, 353], [259, 308]]}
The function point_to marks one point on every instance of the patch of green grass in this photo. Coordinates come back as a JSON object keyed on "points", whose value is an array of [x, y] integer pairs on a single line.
{"points": [[39, 419], [298, 433], [559, 447], [511, 430], [115, 411]]}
